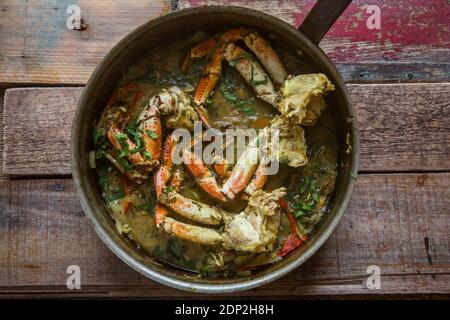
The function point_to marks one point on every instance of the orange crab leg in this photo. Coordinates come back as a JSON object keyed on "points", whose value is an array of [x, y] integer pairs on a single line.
{"points": [[221, 167], [192, 233], [150, 124], [259, 179], [252, 72], [211, 77], [206, 47], [191, 209], [162, 211], [269, 59], [162, 176], [203, 175], [199, 51], [243, 170]]}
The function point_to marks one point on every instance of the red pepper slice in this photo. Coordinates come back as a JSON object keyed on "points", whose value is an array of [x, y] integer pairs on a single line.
{"points": [[293, 222], [292, 242], [127, 201]]}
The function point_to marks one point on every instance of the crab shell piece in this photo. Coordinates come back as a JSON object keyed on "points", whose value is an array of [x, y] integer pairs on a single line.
{"points": [[176, 106], [291, 148], [301, 98], [256, 228]]}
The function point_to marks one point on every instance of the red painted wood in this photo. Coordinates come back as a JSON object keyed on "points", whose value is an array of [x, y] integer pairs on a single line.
{"points": [[411, 30]]}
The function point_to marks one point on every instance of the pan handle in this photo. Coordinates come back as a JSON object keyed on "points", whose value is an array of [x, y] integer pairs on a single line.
{"points": [[322, 16]]}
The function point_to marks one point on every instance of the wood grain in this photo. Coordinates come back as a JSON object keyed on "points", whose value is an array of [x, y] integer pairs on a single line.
{"points": [[43, 230], [412, 43], [37, 47], [404, 127]]}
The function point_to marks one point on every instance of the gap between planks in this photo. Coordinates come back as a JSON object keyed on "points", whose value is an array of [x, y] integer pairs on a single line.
{"points": [[404, 127], [399, 222]]}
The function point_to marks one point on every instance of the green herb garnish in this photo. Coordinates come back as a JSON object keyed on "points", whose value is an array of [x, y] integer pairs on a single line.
{"points": [[227, 90], [151, 134], [147, 155], [115, 196]]}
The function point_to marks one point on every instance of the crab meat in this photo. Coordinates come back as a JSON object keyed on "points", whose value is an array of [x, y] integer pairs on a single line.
{"points": [[291, 149]]}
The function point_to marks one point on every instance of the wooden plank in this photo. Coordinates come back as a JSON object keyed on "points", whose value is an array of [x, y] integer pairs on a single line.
{"points": [[37, 47], [45, 115], [404, 127], [411, 45], [399, 222]]}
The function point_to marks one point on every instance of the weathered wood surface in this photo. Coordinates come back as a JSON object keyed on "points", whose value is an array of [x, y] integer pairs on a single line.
{"points": [[399, 222], [404, 127], [37, 47], [411, 45]]}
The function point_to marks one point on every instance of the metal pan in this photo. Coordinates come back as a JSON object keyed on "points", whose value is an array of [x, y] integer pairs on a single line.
{"points": [[177, 25]]}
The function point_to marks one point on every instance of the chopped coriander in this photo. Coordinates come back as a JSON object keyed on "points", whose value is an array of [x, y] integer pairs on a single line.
{"points": [[315, 196], [151, 134], [147, 155], [299, 213], [175, 247], [125, 164], [227, 89], [259, 82], [205, 270], [98, 136], [115, 196], [158, 252]]}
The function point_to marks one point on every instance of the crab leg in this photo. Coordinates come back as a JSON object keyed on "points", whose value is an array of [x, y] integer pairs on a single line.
{"points": [[163, 175], [203, 176], [259, 179], [243, 170], [162, 211], [209, 80], [253, 230], [191, 209], [221, 166], [150, 125], [257, 44], [199, 51], [269, 59], [252, 72], [192, 233], [206, 47]]}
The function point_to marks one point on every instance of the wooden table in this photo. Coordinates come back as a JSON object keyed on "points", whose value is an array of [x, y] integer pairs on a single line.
{"points": [[398, 218]]}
